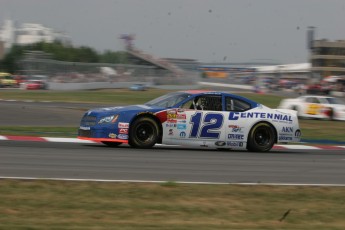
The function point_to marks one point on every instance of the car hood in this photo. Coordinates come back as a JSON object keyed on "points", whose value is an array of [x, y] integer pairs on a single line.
{"points": [[119, 109]]}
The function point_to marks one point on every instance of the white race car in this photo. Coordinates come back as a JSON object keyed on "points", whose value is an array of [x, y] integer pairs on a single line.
{"points": [[318, 107], [194, 118]]}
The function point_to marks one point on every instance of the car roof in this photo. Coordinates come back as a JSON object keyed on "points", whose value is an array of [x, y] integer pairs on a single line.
{"points": [[212, 92], [196, 91]]}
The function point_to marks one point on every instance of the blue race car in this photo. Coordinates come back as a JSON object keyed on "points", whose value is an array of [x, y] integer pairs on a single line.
{"points": [[195, 118]]}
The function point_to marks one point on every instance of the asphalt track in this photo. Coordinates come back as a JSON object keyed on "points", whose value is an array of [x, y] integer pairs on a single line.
{"points": [[164, 163], [31, 113], [26, 159]]}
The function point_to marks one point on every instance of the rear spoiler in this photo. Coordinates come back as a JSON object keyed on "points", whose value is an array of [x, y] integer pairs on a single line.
{"points": [[289, 111]]}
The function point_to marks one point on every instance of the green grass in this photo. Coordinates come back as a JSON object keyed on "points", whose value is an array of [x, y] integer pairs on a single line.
{"points": [[39, 131], [323, 130], [268, 100], [118, 96], [93, 205]]}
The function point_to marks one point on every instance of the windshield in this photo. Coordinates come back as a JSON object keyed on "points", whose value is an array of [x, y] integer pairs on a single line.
{"points": [[168, 100], [334, 100]]}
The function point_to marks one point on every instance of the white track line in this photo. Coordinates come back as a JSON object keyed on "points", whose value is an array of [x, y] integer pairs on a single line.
{"points": [[67, 140], [299, 147], [178, 182]]}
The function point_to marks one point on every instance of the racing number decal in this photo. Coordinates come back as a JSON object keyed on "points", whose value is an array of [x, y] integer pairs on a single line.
{"points": [[195, 121], [211, 124]]}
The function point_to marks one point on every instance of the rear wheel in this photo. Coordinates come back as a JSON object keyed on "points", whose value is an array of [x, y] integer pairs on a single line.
{"points": [[111, 144], [261, 138], [143, 133]]}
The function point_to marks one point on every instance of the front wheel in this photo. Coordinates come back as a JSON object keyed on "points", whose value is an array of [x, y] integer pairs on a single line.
{"points": [[261, 138], [143, 133]]}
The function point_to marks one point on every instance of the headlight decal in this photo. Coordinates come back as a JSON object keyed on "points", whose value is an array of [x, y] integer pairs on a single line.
{"points": [[108, 119]]}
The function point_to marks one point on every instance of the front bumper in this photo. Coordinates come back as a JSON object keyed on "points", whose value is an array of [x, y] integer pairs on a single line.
{"points": [[104, 133]]}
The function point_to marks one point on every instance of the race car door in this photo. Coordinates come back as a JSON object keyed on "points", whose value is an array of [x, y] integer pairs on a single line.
{"points": [[236, 131], [198, 122], [313, 108]]}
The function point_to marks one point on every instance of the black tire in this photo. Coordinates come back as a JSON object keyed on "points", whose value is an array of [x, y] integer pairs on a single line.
{"points": [[261, 138], [143, 133], [111, 144]]}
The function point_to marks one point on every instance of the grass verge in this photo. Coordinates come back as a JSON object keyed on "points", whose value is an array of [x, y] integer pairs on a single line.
{"points": [[111, 96], [93, 205], [39, 131]]}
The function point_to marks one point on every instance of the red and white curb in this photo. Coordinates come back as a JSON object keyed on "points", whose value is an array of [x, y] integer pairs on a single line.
{"points": [[76, 140], [45, 139]]}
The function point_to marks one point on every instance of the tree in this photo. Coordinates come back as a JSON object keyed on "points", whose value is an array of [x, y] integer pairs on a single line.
{"points": [[61, 52], [9, 63]]}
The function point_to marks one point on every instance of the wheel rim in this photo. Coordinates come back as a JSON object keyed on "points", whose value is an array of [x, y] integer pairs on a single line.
{"points": [[144, 132], [262, 136]]}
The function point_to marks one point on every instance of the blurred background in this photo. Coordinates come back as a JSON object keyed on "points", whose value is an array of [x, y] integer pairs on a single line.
{"points": [[269, 46]]}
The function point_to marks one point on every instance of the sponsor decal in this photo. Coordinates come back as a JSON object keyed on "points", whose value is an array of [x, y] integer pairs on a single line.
{"points": [[234, 144], [84, 128], [171, 116], [285, 138], [233, 116], [182, 121], [171, 121], [220, 143], [235, 128], [171, 132], [183, 134], [181, 116], [123, 131], [298, 133], [236, 136], [287, 129], [170, 125], [181, 126], [180, 110], [112, 135], [123, 125], [122, 136], [314, 109]]}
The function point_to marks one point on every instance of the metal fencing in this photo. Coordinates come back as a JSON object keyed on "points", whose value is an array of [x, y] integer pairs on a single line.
{"points": [[76, 72]]}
